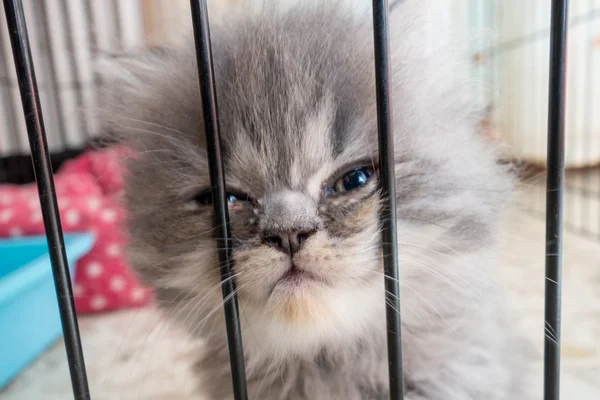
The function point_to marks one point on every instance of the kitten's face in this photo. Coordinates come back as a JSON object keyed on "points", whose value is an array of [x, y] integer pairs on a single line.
{"points": [[297, 115], [305, 232], [302, 182]]}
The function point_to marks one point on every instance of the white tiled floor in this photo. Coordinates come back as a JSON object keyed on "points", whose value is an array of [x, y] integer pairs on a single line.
{"points": [[524, 276], [582, 200], [132, 355], [581, 276]]}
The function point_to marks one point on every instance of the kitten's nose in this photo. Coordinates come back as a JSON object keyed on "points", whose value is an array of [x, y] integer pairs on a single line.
{"points": [[288, 242]]}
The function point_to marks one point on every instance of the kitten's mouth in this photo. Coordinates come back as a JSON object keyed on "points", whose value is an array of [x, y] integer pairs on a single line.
{"points": [[294, 278]]}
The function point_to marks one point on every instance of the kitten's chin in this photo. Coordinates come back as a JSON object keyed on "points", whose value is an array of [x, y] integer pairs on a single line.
{"points": [[302, 320], [299, 298]]}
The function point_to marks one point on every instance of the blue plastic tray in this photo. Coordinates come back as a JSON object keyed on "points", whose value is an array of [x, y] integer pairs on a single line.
{"points": [[29, 318]]}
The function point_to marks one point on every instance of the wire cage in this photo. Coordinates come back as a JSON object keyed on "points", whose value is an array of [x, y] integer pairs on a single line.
{"points": [[44, 162]]}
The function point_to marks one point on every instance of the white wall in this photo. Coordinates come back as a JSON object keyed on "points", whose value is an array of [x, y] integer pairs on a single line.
{"points": [[521, 64]]}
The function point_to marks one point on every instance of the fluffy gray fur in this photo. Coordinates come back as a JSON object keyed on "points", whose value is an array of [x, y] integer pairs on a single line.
{"points": [[297, 108]]}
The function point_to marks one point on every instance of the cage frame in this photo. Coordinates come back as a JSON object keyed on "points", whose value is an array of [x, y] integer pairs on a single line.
{"points": [[42, 167]]}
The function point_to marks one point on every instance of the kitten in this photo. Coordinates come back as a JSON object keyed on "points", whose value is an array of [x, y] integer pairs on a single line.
{"points": [[298, 123]]}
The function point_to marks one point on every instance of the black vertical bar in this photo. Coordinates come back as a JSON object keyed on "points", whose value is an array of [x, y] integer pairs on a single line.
{"points": [[43, 173], [389, 247], [217, 180], [554, 197]]}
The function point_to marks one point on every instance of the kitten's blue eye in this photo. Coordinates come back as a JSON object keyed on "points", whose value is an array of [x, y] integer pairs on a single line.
{"points": [[231, 198], [353, 180]]}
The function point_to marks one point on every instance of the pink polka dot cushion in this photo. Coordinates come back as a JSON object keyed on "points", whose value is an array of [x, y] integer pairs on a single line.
{"points": [[88, 189]]}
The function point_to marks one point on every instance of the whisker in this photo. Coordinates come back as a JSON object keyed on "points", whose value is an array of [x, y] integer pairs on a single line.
{"points": [[152, 124], [403, 284]]}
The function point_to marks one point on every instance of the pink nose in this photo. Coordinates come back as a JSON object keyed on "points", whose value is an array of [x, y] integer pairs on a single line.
{"points": [[288, 242]]}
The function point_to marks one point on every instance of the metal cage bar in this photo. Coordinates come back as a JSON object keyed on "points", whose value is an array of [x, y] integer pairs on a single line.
{"points": [[387, 182], [34, 121], [210, 112], [554, 197]]}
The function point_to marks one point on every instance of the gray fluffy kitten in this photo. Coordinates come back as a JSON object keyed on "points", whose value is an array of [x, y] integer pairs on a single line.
{"points": [[297, 113]]}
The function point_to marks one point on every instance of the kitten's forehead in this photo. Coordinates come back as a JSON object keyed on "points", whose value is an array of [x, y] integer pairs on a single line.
{"points": [[297, 157], [294, 105], [292, 158]]}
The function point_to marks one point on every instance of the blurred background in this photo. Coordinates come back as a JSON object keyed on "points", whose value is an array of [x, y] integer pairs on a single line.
{"points": [[508, 58]]}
